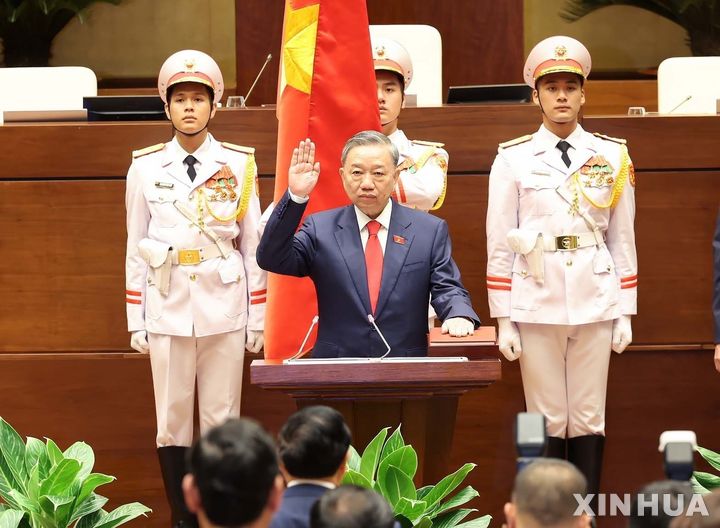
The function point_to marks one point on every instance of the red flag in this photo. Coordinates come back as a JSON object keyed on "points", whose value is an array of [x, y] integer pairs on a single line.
{"points": [[327, 93]]}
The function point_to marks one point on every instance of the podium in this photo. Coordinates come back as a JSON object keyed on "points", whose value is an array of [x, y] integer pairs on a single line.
{"points": [[422, 395]]}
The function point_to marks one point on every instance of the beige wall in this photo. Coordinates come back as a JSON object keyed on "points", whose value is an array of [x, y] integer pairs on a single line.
{"points": [[134, 38], [618, 37]]}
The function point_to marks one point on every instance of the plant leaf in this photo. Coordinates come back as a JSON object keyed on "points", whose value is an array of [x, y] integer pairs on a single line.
{"points": [[460, 498], [353, 477], [83, 453], [123, 514], [57, 508], [451, 518], [90, 520], [60, 478], [55, 456], [447, 485], [712, 457], [371, 455], [411, 509], [93, 503], [12, 457], [425, 522], [353, 460], [707, 480], [422, 492], [394, 442], [23, 503], [480, 522], [396, 485], [405, 459], [91, 483], [10, 518], [34, 450]]}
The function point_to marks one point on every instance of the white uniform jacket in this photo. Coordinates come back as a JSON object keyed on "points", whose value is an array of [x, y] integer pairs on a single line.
{"points": [[211, 296], [593, 283], [423, 176]]}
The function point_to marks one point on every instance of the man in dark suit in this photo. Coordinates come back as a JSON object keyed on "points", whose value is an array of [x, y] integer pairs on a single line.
{"points": [[313, 447], [370, 261], [716, 293]]}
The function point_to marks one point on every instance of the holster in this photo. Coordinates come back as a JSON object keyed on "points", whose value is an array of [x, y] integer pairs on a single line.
{"points": [[529, 244], [159, 261]]}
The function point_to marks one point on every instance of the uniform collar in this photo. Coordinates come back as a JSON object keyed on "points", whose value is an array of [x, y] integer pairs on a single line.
{"points": [[314, 482], [383, 217], [545, 141], [403, 144]]}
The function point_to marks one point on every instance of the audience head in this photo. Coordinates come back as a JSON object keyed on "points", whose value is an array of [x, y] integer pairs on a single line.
{"points": [[544, 495], [233, 477], [351, 507], [313, 444], [674, 492], [697, 518]]}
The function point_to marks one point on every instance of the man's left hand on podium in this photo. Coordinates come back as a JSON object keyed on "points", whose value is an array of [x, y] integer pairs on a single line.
{"points": [[458, 327]]}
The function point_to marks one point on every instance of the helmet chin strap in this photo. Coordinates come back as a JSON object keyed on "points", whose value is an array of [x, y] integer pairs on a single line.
{"points": [[193, 134]]}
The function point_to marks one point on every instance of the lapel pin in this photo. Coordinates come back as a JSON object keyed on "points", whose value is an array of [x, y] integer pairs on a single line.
{"points": [[164, 185], [399, 240]]}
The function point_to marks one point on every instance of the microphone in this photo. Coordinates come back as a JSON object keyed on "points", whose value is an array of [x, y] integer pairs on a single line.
{"points": [[300, 352], [372, 322], [680, 104], [267, 60]]}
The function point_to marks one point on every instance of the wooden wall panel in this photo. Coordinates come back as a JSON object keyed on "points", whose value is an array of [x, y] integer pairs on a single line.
{"points": [[482, 40]]}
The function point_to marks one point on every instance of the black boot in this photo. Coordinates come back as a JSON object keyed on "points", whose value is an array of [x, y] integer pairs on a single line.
{"points": [[172, 467], [556, 448], [586, 453]]}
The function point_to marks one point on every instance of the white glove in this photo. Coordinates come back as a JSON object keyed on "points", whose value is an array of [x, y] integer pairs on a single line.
{"points": [[138, 341], [458, 327], [509, 339], [255, 341], [621, 333]]}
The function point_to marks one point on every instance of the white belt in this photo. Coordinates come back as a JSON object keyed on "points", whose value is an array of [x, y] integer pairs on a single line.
{"points": [[189, 257], [568, 242]]}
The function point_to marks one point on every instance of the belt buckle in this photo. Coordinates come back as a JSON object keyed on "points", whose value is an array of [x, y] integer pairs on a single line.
{"points": [[566, 242], [187, 257]]}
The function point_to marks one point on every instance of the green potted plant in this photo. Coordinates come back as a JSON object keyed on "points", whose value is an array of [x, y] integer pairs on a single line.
{"points": [[44, 487], [706, 482], [700, 18], [28, 27], [388, 466]]}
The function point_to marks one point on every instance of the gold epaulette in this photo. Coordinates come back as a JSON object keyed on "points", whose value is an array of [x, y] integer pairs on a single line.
{"points": [[238, 148], [428, 143], [148, 150], [516, 141], [609, 138]]}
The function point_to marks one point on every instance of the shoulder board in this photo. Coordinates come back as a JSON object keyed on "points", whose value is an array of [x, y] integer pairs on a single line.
{"points": [[516, 141], [608, 138], [428, 143], [148, 150], [238, 148]]}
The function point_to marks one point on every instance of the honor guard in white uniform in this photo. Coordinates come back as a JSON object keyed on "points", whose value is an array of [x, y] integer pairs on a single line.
{"points": [[423, 164], [562, 269], [194, 292]]}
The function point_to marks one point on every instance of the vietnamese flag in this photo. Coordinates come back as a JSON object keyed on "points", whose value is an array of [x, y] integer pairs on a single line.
{"points": [[326, 92]]}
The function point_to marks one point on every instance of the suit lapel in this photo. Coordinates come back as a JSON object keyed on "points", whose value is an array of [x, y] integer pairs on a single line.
{"points": [[175, 168], [584, 151], [399, 240], [347, 236]]}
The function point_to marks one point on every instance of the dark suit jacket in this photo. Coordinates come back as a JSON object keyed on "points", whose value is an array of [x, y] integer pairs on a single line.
{"points": [[417, 264], [294, 510], [716, 282]]}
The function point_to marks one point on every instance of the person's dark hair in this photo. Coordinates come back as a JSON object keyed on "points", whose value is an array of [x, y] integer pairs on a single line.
{"points": [[351, 506], [171, 89], [545, 490], [678, 493], [399, 77], [234, 466], [313, 442], [698, 519]]}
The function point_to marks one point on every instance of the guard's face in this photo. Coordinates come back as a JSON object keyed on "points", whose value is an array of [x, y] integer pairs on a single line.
{"points": [[561, 96], [190, 107], [390, 96], [369, 177]]}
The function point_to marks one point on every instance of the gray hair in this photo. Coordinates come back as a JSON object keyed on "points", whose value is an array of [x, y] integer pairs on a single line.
{"points": [[369, 137], [545, 490]]}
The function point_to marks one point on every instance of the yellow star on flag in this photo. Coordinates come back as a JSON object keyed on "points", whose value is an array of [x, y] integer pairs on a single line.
{"points": [[299, 46]]}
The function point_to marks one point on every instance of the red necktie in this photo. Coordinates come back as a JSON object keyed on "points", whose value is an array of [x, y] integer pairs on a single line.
{"points": [[373, 262]]}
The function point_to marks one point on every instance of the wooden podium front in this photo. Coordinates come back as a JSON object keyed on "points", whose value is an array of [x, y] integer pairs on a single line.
{"points": [[420, 395]]}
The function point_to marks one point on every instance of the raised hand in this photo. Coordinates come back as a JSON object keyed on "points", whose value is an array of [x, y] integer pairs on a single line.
{"points": [[304, 170]]}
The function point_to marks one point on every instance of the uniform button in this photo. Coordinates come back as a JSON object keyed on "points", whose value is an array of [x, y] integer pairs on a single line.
{"points": [[523, 273], [193, 277], [568, 263], [609, 269], [149, 280]]}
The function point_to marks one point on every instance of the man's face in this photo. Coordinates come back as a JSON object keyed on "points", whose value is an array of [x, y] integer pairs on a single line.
{"points": [[369, 177], [561, 96], [190, 107], [390, 96]]}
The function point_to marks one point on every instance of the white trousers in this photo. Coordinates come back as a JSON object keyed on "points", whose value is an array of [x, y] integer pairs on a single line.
{"points": [[564, 372], [216, 362]]}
